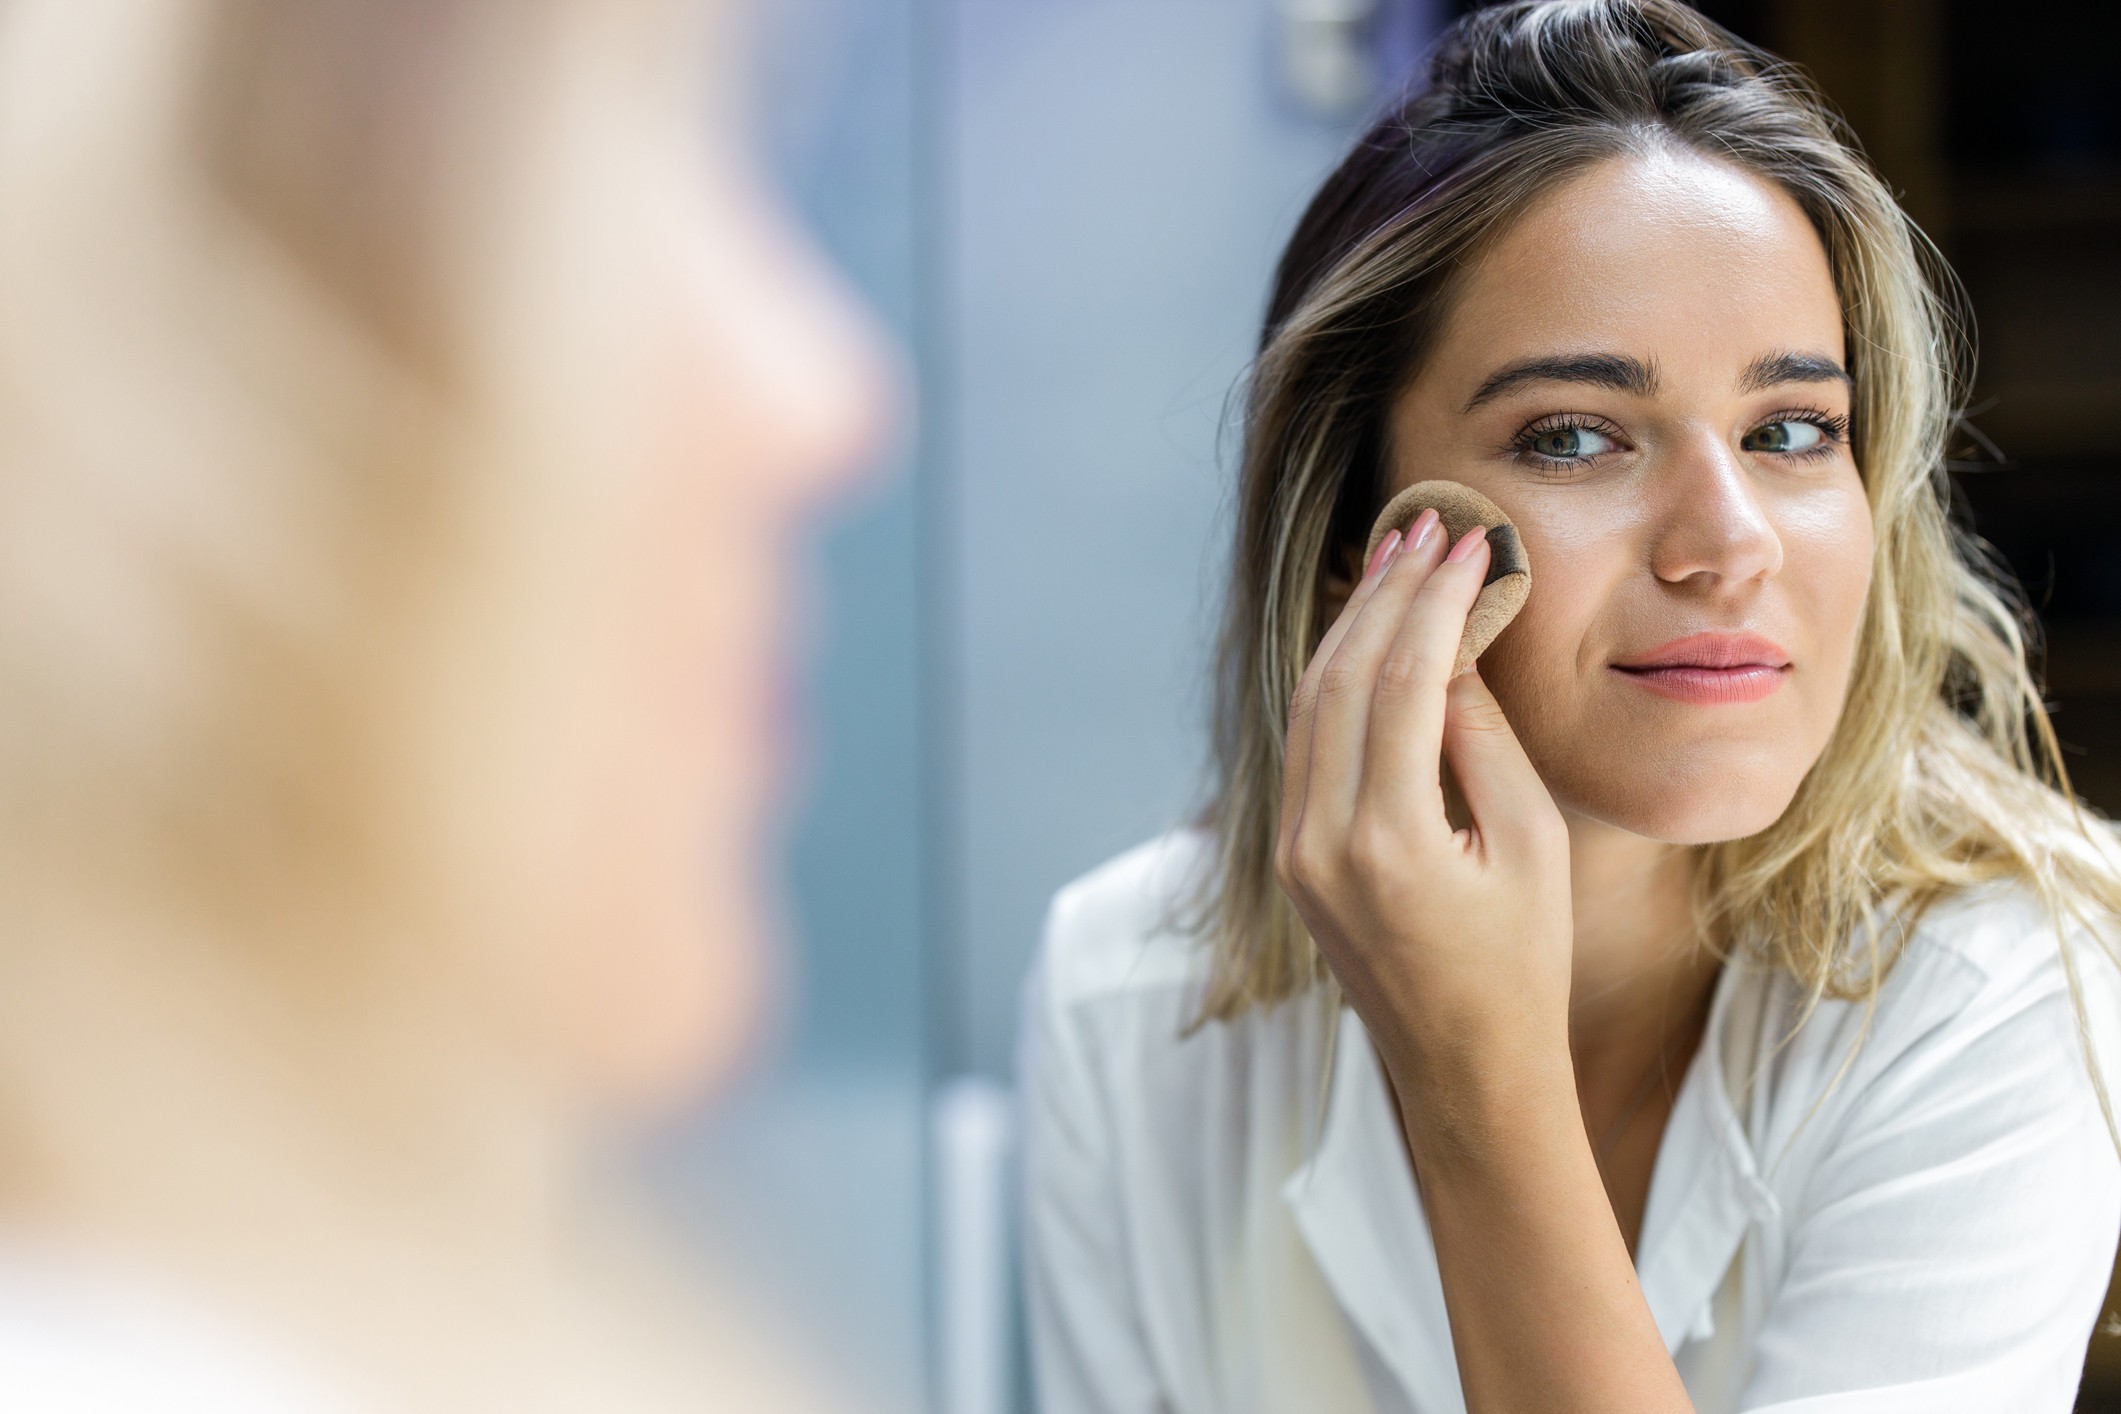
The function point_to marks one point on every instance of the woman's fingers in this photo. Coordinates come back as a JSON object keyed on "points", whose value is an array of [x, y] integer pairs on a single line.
{"points": [[1402, 778], [1307, 690], [1340, 711], [1296, 757], [1509, 802]]}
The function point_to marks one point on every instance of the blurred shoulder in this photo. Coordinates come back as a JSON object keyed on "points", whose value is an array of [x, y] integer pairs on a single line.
{"points": [[79, 1338], [1118, 928]]}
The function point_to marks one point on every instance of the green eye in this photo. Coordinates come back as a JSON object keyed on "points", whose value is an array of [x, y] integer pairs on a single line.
{"points": [[1784, 436], [1570, 443]]}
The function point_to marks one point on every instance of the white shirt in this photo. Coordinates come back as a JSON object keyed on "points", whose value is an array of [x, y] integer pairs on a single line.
{"points": [[1931, 1233], [82, 1335]]}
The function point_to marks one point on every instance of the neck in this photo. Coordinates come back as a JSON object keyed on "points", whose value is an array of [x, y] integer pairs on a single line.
{"points": [[1641, 979]]}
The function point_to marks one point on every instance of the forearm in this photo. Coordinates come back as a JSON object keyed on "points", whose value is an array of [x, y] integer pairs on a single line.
{"points": [[1544, 1305]]}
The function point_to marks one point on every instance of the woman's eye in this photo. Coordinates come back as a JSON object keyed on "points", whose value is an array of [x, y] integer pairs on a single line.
{"points": [[1570, 443], [1787, 435]]}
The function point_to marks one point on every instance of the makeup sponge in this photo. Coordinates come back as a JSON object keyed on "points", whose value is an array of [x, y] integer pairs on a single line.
{"points": [[1460, 508]]}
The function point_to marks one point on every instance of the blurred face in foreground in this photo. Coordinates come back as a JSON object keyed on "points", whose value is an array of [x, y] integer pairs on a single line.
{"points": [[1647, 374], [691, 385], [412, 413]]}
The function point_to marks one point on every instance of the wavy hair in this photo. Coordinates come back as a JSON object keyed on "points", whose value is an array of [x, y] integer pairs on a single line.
{"points": [[1943, 771]]}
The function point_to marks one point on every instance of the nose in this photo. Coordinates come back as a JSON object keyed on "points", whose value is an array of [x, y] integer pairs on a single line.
{"points": [[812, 386], [1714, 531]]}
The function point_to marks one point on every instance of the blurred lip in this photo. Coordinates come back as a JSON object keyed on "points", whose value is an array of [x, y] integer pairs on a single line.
{"points": [[1710, 668]]}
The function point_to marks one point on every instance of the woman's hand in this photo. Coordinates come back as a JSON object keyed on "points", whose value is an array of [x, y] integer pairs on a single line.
{"points": [[1453, 945]]}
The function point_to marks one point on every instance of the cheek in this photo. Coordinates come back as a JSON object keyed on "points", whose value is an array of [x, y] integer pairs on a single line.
{"points": [[1828, 551], [627, 908], [736, 394], [1530, 666], [1681, 774], [639, 740], [1535, 665], [694, 753]]}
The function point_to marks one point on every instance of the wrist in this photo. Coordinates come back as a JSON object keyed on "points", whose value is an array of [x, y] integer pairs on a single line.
{"points": [[1470, 1108]]}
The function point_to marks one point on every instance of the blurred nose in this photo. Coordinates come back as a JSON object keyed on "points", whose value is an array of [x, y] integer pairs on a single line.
{"points": [[810, 378], [1713, 531]]}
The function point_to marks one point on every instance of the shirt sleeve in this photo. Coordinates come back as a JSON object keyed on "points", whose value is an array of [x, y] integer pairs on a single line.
{"points": [[1088, 1355], [1955, 1241]]}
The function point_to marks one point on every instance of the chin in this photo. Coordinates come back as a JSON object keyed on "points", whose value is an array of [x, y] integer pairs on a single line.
{"points": [[1713, 825], [683, 1004], [1681, 806]]}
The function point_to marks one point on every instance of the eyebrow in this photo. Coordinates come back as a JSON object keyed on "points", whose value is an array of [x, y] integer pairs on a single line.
{"points": [[1618, 371], [1769, 370]]}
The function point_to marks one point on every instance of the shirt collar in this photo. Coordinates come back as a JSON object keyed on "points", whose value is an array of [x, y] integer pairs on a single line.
{"points": [[1356, 1205]]}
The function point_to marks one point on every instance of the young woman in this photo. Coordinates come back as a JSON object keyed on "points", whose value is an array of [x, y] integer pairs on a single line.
{"points": [[408, 412], [1687, 1008]]}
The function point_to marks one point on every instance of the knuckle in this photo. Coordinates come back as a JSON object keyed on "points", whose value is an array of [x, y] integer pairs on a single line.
{"points": [[1545, 832], [1553, 831], [1337, 681], [1481, 713], [1404, 672], [1375, 850], [1305, 697], [1310, 864]]}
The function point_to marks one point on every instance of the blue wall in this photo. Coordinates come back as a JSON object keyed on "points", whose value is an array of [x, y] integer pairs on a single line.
{"points": [[1122, 174], [1067, 211], [810, 1179]]}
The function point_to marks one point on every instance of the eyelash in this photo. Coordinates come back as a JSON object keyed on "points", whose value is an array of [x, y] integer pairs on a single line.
{"points": [[1833, 426], [1521, 444]]}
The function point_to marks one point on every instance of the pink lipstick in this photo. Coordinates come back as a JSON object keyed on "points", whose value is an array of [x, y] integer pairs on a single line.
{"points": [[1710, 668]]}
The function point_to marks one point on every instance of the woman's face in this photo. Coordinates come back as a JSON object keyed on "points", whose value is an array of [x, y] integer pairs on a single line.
{"points": [[769, 394], [698, 385], [1647, 374]]}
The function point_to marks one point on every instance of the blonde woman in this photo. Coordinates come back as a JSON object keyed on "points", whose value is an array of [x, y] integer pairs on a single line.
{"points": [[405, 412], [1687, 1008]]}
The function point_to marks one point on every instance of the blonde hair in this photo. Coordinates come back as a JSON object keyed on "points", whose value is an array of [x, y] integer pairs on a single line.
{"points": [[1943, 771]]}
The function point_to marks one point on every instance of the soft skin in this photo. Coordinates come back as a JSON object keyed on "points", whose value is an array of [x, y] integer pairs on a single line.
{"points": [[758, 392], [639, 620], [1670, 525], [1523, 958]]}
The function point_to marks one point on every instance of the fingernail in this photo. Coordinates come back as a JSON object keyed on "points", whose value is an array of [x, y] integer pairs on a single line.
{"points": [[1424, 527], [1387, 548], [1467, 544]]}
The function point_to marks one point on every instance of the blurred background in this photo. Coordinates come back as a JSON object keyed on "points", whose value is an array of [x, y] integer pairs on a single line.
{"points": [[1067, 210]]}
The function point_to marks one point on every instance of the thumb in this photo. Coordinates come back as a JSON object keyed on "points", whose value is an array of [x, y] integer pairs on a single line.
{"points": [[1509, 801]]}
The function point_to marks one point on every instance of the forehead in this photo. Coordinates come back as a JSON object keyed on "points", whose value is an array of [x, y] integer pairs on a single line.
{"points": [[1668, 256]]}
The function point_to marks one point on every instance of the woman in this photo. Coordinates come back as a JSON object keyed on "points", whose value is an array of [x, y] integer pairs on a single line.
{"points": [[409, 409], [1682, 1010]]}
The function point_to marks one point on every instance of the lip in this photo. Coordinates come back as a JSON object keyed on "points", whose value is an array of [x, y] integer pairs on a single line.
{"points": [[1710, 668]]}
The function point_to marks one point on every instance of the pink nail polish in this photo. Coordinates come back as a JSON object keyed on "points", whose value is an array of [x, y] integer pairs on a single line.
{"points": [[1467, 544], [1387, 550], [1424, 527]]}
